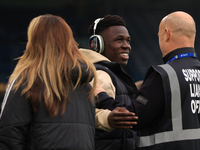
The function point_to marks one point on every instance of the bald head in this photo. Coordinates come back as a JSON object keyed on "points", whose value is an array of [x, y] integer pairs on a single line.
{"points": [[176, 30], [181, 23]]}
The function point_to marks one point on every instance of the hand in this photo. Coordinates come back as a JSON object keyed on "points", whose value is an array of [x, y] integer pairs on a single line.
{"points": [[99, 89], [120, 117]]}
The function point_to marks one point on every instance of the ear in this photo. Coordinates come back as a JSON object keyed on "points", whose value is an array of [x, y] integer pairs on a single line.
{"points": [[167, 34]]}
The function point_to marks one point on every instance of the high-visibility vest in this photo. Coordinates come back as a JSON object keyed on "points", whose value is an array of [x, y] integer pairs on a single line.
{"points": [[180, 127]]}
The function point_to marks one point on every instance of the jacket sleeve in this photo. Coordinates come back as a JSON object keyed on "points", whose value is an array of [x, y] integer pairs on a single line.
{"points": [[101, 115], [15, 119], [101, 119], [106, 83]]}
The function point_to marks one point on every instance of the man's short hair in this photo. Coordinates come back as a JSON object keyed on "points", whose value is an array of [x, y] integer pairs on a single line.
{"points": [[108, 21]]}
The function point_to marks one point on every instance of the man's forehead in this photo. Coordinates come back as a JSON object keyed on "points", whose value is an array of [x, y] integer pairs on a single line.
{"points": [[116, 30]]}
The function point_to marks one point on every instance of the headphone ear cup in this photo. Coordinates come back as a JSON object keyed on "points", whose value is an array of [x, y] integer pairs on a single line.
{"points": [[96, 43]]}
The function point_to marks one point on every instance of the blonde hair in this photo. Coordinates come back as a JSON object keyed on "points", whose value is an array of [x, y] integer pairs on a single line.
{"points": [[51, 54]]}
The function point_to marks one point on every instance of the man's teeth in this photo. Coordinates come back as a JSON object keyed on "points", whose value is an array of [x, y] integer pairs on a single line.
{"points": [[124, 54]]}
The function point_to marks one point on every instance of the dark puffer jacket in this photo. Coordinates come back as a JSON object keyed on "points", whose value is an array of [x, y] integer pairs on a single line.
{"points": [[118, 139], [21, 128]]}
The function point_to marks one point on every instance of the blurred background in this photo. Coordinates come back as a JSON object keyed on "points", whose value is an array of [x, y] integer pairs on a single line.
{"points": [[142, 18]]}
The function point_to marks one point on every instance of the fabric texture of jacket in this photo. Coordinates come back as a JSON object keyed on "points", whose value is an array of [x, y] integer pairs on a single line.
{"points": [[180, 125], [21, 128], [124, 91]]}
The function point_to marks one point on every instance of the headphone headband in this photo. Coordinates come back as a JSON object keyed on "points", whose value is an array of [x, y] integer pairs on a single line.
{"points": [[96, 41], [95, 24]]}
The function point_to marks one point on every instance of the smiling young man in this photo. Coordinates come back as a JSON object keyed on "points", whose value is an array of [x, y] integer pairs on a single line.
{"points": [[109, 51]]}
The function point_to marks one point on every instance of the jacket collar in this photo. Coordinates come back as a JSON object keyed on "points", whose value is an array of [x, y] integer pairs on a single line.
{"points": [[93, 56]]}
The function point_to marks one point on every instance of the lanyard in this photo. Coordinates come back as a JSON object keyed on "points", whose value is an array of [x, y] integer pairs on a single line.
{"points": [[183, 55]]}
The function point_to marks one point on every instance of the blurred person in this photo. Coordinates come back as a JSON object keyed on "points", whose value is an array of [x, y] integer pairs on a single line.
{"points": [[49, 102], [167, 104], [109, 51]]}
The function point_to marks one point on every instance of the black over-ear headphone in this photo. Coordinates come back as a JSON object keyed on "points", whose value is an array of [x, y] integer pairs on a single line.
{"points": [[96, 41]]}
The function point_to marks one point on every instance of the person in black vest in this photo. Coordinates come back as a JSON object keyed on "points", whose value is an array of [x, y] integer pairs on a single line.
{"points": [[109, 51], [168, 102]]}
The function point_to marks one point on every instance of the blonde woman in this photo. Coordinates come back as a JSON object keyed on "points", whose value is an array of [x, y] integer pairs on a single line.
{"points": [[49, 102]]}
